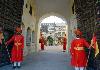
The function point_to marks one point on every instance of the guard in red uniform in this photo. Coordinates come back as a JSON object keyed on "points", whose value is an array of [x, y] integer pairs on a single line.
{"points": [[1, 40], [79, 58], [64, 43], [41, 40], [1, 36], [17, 50]]}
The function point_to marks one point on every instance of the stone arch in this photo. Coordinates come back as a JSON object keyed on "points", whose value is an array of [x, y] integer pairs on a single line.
{"points": [[47, 15], [53, 14]]}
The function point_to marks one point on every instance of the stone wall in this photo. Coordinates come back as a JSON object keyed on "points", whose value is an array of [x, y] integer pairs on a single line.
{"points": [[10, 17]]}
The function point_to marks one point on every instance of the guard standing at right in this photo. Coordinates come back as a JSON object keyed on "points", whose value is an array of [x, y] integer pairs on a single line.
{"points": [[64, 43], [78, 54]]}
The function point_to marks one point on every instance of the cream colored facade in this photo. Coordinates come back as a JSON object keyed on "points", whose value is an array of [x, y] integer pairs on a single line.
{"points": [[28, 25], [40, 10]]}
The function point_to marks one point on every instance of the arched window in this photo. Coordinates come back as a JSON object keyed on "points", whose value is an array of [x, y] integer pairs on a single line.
{"points": [[28, 37], [33, 36]]}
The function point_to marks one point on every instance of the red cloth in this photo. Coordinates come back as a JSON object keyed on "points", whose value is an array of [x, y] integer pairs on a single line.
{"points": [[42, 43], [17, 50], [79, 58], [18, 29], [64, 43], [94, 41], [78, 32], [42, 46]]}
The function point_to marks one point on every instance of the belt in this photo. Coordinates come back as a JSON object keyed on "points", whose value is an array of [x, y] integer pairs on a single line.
{"points": [[79, 48], [17, 44]]}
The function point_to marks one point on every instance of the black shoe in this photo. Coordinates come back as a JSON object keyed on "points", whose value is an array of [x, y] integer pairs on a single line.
{"points": [[64, 51], [18, 66], [14, 67]]}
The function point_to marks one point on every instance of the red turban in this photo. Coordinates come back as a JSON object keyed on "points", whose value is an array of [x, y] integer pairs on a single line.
{"points": [[78, 32], [18, 29], [41, 34]]}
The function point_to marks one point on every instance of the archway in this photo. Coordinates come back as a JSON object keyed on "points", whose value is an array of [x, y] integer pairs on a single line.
{"points": [[53, 25]]}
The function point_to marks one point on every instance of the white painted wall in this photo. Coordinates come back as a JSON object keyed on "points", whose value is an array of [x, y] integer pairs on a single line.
{"points": [[45, 8], [62, 7], [28, 21]]}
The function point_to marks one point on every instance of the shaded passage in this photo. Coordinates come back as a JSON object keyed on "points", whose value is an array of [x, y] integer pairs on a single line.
{"points": [[45, 60]]}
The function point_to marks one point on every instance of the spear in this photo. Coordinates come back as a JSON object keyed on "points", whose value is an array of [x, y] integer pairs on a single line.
{"points": [[89, 54], [6, 46], [8, 52]]}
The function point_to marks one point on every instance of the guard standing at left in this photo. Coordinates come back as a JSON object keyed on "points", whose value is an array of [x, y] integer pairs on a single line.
{"points": [[64, 43], [17, 50], [41, 40]]}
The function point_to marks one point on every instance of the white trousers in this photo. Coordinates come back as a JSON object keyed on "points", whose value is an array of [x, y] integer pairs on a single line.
{"points": [[79, 68], [17, 63]]}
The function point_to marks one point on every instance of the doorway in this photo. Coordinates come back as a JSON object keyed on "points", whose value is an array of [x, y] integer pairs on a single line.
{"points": [[53, 29]]}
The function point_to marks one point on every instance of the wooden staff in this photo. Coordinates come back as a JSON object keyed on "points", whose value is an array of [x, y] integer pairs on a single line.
{"points": [[8, 52], [88, 55], [5, 44]]}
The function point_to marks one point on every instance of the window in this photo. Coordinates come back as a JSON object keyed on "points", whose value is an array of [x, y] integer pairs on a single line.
{"points": [[28, 37], [30, 11], [33, 36], [26, 5]]}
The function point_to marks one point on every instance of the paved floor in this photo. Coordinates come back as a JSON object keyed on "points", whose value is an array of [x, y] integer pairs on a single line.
{"points": [[50, 59]]}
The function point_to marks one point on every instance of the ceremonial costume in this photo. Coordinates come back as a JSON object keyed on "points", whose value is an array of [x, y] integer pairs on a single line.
{"points": [[41, 40], [78, 54], [17, 50], [64, 43]]}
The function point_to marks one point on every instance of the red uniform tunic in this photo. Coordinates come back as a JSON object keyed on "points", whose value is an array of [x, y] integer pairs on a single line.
{"points": [[17, 50], [79, 58], [64, 43], [1, 37], [42, 43]]}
